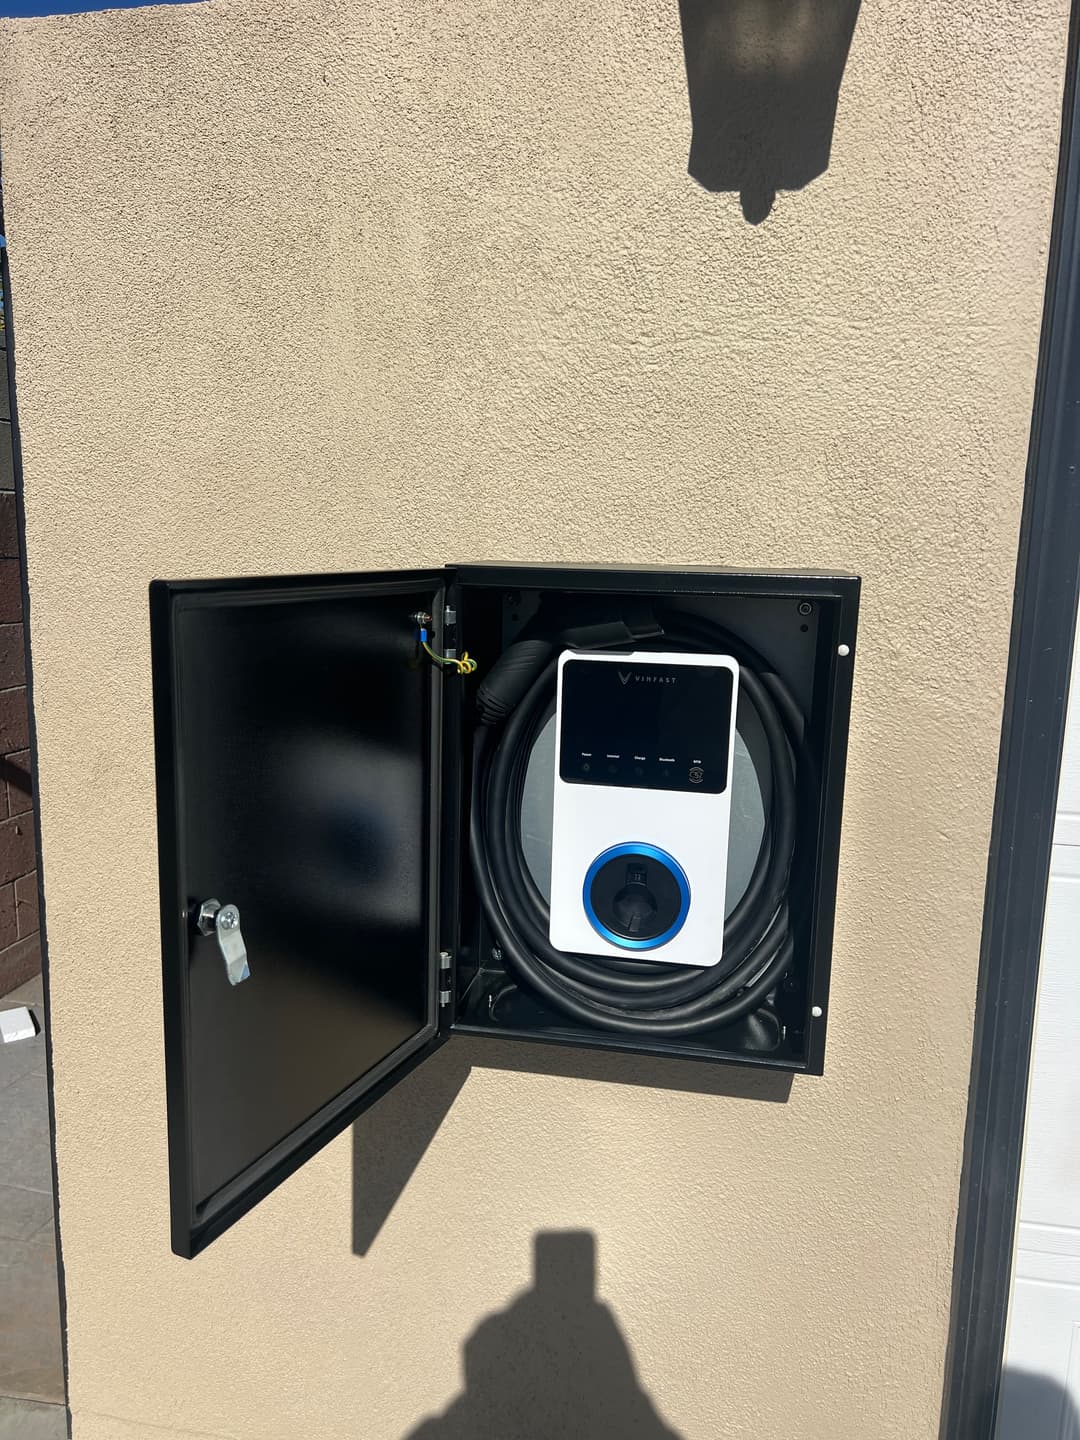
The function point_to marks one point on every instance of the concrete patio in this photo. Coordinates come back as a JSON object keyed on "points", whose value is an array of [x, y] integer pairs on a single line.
{"points": [[31, 1367]]}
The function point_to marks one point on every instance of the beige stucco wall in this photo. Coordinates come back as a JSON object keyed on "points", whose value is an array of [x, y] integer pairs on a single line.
{"points": [[307, 286]]}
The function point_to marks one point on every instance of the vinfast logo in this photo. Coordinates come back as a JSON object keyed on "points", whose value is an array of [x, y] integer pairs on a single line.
{"points": [[627, 675]]}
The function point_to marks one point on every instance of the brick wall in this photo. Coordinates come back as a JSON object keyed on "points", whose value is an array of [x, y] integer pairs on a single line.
{"points": [[20, 948]]}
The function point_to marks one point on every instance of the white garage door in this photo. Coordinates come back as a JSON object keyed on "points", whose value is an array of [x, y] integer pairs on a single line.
{"points": [[1040, 1398]]}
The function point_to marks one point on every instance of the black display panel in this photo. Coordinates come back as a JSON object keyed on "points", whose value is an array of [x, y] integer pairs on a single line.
{"points": [[646, 725]]}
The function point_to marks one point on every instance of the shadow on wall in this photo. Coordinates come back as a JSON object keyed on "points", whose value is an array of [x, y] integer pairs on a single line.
{"points": [[555, 1363], [390, 1139], [1035, 1407], [764, 79]]}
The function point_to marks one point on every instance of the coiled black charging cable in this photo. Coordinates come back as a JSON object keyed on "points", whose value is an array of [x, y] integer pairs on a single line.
{"points": [[631, 997]]}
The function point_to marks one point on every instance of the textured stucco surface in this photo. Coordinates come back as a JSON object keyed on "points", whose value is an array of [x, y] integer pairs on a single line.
{"points": [[314, 286]]}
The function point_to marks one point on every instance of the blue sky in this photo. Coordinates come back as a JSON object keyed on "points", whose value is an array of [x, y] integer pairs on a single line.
{"points": [[9, 8]]}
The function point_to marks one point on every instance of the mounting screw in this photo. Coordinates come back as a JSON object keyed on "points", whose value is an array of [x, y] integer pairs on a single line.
{"points": [[496, 954], [805, 608], [843, 649], [816, 1011], [228, 918]]}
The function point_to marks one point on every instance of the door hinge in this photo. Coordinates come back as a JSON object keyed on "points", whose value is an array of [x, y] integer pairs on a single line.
{"points": [[446, 960], [450, 632]]}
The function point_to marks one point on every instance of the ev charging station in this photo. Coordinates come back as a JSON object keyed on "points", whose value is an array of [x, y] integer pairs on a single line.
{"points": [[594, 807], [639, 837]]}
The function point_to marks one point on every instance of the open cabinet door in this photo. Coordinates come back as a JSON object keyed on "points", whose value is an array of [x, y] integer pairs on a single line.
{"points": [[297, 742]]}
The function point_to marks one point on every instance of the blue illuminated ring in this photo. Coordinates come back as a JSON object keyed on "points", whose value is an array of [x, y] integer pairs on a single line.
{"points": [[653, 852]]}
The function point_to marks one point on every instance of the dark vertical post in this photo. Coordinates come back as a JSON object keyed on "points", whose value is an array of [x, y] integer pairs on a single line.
{"points": [[1040, 656]]}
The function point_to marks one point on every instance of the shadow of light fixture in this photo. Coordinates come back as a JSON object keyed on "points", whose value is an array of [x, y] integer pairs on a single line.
{"points": [[764, 80]]}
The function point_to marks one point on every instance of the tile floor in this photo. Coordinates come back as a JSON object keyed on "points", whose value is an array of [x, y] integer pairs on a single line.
{"points": [[30, 1364]]}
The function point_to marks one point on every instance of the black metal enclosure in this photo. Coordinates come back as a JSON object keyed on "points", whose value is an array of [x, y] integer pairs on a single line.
{"points": [[314, 772]]}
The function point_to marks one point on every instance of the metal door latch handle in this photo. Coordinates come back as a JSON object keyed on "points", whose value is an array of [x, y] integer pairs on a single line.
{"points": [[224, 922]]}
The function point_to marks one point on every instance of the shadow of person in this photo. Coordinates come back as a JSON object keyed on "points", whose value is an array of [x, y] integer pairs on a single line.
{"points": [[554, 1365], [1035, 1407], [764, 81]]}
